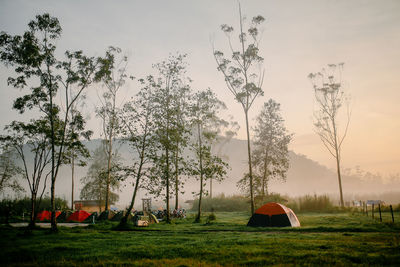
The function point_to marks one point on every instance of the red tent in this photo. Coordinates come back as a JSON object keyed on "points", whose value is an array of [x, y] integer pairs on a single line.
{"points": [[46, 215], [43, 215], [78, 216], [58, 213]]}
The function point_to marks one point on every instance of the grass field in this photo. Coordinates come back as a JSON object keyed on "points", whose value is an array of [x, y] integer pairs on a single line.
{"points": [[323, 239]]}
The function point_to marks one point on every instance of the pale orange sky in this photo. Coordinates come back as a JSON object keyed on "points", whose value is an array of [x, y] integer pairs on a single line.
{"points": [[299, 37]]}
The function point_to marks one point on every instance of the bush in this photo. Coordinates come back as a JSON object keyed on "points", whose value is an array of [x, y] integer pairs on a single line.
{"points": [[212, 217]]}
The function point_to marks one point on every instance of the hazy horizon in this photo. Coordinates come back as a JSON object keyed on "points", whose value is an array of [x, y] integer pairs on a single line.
{"points": [[298, 38]]}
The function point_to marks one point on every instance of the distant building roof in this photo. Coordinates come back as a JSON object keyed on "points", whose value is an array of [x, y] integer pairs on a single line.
{"points": [[375, 202]]}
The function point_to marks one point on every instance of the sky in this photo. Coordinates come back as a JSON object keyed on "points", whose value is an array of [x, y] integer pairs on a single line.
{"points": [[298, 37]]}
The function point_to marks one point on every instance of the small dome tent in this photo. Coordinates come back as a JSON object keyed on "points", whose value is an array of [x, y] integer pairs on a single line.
{"points": [[43, 216], [46, 215], [273, 215], [78, 216]]}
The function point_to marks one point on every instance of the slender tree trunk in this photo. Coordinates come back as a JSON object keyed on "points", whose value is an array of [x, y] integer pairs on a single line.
{"points": [[339, 178], [53, 165], [124, 219], [100, 201], [250, 167], [264, 179], [177, 176], [168, 220], [211, 187], [33, 213], [201, 173], [337, 153], [109, 160], [72, 180], [263, 189]]}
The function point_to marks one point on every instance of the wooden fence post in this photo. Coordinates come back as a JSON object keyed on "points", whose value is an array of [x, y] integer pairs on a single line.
{"points": [[391, 211], [366, 208], [380, 213]]}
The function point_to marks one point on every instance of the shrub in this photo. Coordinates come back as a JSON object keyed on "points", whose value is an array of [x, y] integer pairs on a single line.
{"points": [[212, 217]]}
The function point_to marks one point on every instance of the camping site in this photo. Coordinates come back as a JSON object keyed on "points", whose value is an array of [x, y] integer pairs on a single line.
{"points": [[199, 133]]}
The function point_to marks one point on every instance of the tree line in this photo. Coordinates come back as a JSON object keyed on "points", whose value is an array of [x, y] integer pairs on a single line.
{"points": [[163, 120]]}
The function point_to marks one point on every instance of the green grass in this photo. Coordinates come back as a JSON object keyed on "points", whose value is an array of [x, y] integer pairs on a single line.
{"points": [[327, 239]]}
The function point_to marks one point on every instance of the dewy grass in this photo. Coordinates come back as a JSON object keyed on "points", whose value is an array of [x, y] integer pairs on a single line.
{"points": [[328, 239]]}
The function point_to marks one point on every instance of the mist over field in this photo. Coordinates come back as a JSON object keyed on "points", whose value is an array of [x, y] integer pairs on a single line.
{"points": [[305, 176]]}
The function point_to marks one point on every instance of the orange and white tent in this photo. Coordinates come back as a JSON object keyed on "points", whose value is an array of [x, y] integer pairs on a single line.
{"points": [[274, 215]]}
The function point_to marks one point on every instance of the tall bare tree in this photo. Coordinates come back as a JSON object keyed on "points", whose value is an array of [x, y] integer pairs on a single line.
{"points": [[76, 155], [243, 73], [330, 99], [113, 80]]}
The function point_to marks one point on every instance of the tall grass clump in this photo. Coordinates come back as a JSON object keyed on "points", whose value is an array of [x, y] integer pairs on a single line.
{"points": [[271, 197], [309, 203]]}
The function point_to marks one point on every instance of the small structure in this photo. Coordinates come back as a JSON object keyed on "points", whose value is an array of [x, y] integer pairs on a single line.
{"points": [[89, 205], [374, 202], [146, 204]]}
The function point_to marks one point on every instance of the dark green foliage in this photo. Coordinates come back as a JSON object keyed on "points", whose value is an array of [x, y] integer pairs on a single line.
{"points": [[212, 217]]}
